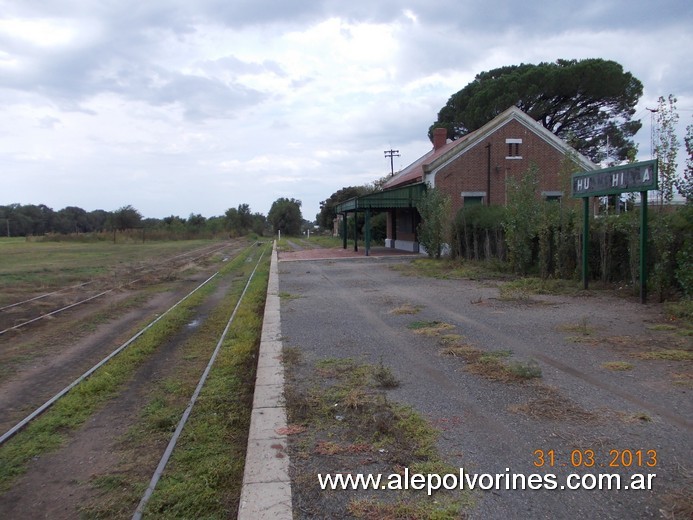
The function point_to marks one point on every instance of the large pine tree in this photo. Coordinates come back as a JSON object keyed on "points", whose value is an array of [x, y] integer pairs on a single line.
{"points": [[588, 103]]}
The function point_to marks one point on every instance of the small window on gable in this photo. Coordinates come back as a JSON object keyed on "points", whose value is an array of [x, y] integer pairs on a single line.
{"points": [[514, 148], [473, 201]]}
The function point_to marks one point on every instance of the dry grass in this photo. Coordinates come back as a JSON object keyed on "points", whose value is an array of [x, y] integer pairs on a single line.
{"points": [[667, 355], [405, 309], [491, 365], [291, 355], [450, 339], [553, 406], [348, 425], [369, 509], [637, 417], [383, 376], [618, 366], [336, 448], [684, 379], [429, 328], [678, 505], [582, 327]]}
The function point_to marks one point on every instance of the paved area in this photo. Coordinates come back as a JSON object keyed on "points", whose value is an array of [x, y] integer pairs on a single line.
{"points": [[345, 309], [340, 253]]}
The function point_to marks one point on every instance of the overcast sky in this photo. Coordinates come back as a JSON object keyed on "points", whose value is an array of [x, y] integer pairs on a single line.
{"points": [[180, 106]]}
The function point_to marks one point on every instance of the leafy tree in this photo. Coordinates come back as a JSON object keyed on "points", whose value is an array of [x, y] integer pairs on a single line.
{"points": [[126, 217], [685, 183], [214, 225], [97, 219], [327, 213], [174, 223], [71, 220], [26, 220], [239, 221], [232, 221], [196, 223], [433, 231], [245, 217], [259, 223], [666, 146], [584, 102], [285, 216]]}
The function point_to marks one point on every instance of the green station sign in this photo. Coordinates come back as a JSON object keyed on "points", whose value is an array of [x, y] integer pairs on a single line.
{"points": [[641, 176]]}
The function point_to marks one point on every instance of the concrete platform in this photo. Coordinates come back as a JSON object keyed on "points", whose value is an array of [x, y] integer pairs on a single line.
{"points": [[266, 492]]}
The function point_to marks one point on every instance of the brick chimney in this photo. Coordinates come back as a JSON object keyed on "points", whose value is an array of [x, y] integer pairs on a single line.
{"points": [[440, 137]]}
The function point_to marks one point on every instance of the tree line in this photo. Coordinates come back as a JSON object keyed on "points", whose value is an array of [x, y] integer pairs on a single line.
{"points": [[17, 220]]}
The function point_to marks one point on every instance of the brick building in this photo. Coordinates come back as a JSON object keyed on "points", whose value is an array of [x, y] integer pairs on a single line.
{"points": [[473, 169]]}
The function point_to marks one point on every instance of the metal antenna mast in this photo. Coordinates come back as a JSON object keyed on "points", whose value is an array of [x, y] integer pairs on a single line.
{"points": [[653, 111], [391, 154]]}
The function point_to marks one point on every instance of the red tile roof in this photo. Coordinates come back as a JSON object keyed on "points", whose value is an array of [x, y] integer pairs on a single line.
{"points": [[415, 171]]}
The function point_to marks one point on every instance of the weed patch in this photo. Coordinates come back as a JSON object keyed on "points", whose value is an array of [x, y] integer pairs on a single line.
{"points": [[405, 309], [582, 327], [448, 269], [288, 296], [678, 504], [662, 326], [637, 417], [553, 407], [618, 366], [291, 355], [522, 289], [667, 355], [682, 310], [348, 425], [383, 376], [429, 328], [684, 379], [491, 365]]}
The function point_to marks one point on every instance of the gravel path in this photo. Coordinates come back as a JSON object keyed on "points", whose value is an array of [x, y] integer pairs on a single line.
{"points": [[343, 309]]}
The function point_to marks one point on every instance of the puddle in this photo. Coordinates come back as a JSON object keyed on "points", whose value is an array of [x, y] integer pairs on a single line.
{"points": [[193, 324]]}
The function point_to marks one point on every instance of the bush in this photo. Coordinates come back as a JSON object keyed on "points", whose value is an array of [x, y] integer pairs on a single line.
{"points": [[478, 233]]}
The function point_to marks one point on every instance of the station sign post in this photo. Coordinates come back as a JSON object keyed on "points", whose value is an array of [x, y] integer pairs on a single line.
{"points": [[640, 177]]}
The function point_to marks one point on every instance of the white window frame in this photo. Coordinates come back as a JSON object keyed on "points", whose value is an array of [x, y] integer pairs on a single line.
{"points": [[517, 143]]}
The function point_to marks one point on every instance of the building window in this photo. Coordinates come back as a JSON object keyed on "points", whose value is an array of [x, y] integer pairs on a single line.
{"points": [[513, 148], [471, 198], [552, 196]]}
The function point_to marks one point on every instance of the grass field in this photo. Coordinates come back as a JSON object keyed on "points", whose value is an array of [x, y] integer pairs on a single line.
{"points": [[55, 264]]}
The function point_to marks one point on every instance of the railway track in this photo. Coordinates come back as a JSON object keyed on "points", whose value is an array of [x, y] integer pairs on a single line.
{"points": [[17, 430], [186, 414]]}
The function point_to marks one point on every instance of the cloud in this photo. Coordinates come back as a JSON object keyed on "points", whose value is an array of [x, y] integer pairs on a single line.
{"points": [[205, 105]]}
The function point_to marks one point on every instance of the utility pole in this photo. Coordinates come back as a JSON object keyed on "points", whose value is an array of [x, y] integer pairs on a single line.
{"points": [[391, 154]]}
